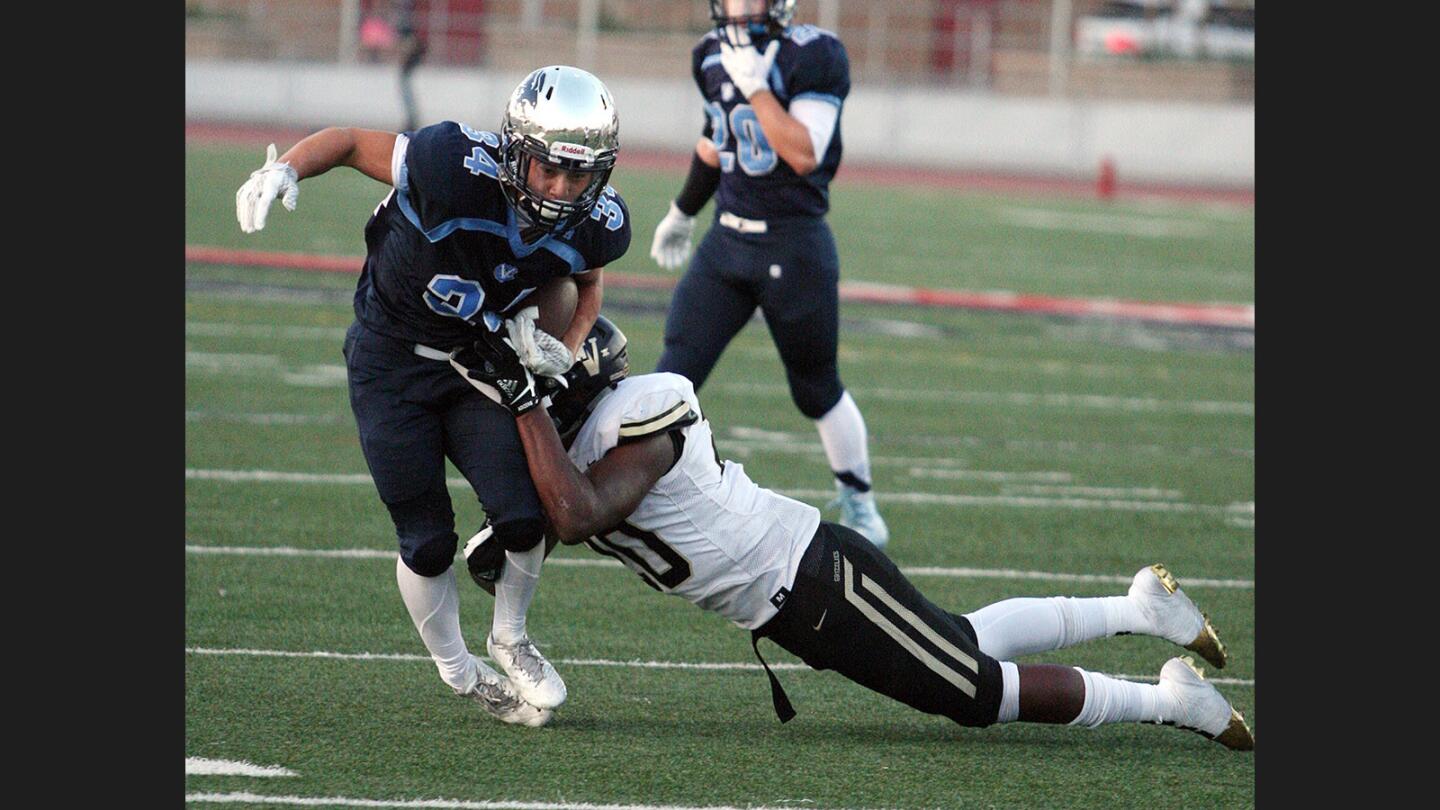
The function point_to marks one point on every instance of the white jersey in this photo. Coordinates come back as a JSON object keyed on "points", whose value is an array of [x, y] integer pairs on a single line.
{"points": [[704, 531]]}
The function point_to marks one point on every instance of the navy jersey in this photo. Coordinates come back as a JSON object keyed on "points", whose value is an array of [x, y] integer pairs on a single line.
{"points": [[443, 250], [754, 182]]}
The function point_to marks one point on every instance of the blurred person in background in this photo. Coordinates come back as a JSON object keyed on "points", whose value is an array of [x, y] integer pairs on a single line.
{"points": [[379, 37], [770, 146], [474, 223], [412, 49]]}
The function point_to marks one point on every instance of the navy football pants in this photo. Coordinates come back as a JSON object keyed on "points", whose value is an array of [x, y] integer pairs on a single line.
{"points": [[413, 413], [792, 274]]}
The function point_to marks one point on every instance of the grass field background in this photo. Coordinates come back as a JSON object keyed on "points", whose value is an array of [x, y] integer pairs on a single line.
{"points": [[1000, 443]]}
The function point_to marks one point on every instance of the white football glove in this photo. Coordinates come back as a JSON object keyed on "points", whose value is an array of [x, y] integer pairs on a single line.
{"points": [[672, 238], [537, 349], [749, 69], [252, 201]]}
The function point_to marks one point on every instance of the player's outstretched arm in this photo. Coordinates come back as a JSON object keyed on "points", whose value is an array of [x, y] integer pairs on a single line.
{"points": [[583, 504], [366, 150]]}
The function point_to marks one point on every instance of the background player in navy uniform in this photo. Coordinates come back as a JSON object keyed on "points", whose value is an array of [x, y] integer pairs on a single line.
{"points": [[628, 466], [475, 222], [771, 145]]}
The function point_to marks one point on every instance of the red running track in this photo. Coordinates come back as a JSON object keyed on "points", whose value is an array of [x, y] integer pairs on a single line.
{"points": [[1240, 316]]}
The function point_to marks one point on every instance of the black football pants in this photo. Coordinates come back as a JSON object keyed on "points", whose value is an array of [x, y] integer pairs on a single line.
{"points": [[852, 611]]}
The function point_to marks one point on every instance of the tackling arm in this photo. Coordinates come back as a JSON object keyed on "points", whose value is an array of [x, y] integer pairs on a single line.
{"points": [[580, 505]]}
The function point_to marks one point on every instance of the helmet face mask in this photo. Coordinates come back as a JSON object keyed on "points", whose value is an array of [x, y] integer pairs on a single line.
{"points": [[751, 22], [564, 118], [603, 363]]}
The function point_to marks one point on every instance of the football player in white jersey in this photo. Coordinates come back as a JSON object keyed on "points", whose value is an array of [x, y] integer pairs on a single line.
{"points": [[628, 466]]}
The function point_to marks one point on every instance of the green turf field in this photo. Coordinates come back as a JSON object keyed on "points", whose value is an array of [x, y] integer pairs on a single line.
{"points": [[1074, 450]]}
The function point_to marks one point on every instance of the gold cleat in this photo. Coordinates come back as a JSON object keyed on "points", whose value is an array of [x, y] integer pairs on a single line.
{"points": [[1237, 735], [1207, 642], [1203, 709]]}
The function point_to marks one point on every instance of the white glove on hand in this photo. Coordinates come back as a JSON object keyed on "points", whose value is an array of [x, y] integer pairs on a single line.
{"points": [[252, 201], [672, 239], [537, 349], [749, 69]]}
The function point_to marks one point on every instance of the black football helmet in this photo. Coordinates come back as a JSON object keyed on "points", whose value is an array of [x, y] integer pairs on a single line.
{"points": [[761, 19], [603, 363]]}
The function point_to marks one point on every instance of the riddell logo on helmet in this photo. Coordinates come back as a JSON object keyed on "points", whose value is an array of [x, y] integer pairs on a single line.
{"points": [[572, 150]]}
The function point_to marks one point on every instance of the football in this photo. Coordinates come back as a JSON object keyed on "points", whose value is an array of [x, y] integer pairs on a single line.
{"points": [[556, 300]]}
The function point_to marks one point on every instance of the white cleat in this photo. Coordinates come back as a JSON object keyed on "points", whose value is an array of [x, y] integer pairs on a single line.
{"points": [[533, 678], [497, 697], [1173, 616], [1203, 709], [858, 512]]}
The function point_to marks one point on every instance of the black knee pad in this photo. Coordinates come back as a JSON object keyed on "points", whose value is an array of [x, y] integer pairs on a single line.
{"points": [[815, 393], [425, 527], [429, 559], [520, 535]]}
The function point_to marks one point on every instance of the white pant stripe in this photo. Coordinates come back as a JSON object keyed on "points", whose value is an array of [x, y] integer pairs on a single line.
{"points": [[899, 635], [919, 624]]}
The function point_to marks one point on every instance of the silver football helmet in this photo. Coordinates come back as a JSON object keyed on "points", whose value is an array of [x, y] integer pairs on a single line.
{"points": [[563, 117]]}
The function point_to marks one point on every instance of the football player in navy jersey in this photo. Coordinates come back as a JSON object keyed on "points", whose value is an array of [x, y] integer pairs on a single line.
{"points": [[476, 221], [627, 465], [773, 94]]}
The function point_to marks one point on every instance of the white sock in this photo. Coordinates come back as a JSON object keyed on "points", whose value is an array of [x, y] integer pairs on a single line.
{"points": [[434, 607], [1024, 625], [513, 592], [1009, 693], [842, 433], [1111, 700]]}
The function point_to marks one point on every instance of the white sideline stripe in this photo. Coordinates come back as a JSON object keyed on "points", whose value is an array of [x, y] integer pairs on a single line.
{"points": [[200, 766], [449, 804], [932, 498], [596, 662], [1092, 401], [575, 562]]}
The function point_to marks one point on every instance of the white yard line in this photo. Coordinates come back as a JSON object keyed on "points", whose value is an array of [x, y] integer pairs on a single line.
{"points": [[578, 562], [708, 666], [1103, 223], [212, 329], [200, 766], [269, 418], [334, 375], [1098, 492], [1021, 399], [447, 804], [990, 475], [821, 495]]}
